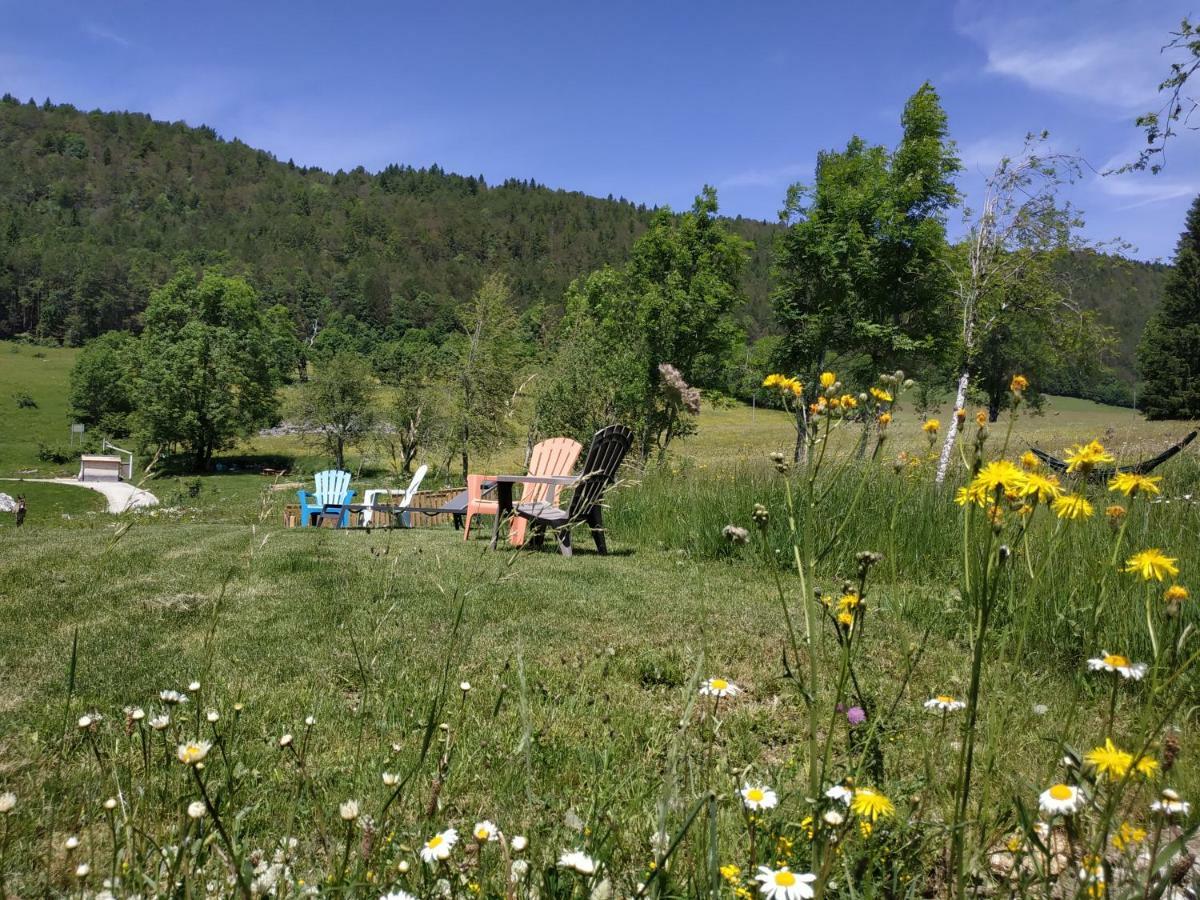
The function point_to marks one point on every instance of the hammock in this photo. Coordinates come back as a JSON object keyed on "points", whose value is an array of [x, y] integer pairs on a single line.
{"points": [[1102, 475]]}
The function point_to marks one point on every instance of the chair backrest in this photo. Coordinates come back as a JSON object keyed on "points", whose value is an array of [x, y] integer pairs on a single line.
{"points": [[604, 457], [332, 485], [554, 456], [413, 485]]}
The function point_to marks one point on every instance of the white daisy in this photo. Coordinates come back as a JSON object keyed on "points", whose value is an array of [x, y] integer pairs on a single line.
{"points": [[212, 715], [840, 792], [577, 860], [1169, 804], [464, 686], [833, 818], [110, 804], [519, 843], [944, 703], [81, 870], [391, 779], [349, 810], [784, 884], [1060, 799], [193, 752], [172, 697], [8, 802], [310, 721], [158, 723], [759, 797], [71, 843], [136, 713], [194, 686], [719, 687], [1115, 662], [285, 740], [397, 895], [439, 846], [485, 831], [196, 809]]}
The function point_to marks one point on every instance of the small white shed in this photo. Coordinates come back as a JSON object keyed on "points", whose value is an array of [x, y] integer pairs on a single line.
{"points": [[99, 468]]}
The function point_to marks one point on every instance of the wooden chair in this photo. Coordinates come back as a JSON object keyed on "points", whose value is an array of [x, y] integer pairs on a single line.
{"points": [[604, 458], [332, 494], [553, 456]]}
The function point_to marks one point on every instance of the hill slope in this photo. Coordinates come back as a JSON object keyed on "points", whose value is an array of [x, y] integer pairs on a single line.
{"points": [[96, 207]]}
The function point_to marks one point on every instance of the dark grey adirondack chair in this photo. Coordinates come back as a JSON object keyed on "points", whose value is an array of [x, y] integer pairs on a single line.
{"points": [[604, 457]]}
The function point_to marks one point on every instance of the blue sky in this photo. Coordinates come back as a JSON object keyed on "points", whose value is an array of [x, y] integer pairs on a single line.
{"points": [[647, 100]]}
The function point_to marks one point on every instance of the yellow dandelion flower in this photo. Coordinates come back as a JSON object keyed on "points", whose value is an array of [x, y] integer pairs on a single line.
{"points": [[845, 618], [931, 426], [981, 418], [1030, 461], [1018, 383], [1152, 564], [1115, 513], [773, 381], [1043, 488], [999, 473], [881, 395], [1072, 506], [871, 804], [849, 401], [1176, 593], [1112, 762], [1128, 836], [730, 873], [1085, 457], [828, 379], [961, 415], [885, 418], [1130, 484]]}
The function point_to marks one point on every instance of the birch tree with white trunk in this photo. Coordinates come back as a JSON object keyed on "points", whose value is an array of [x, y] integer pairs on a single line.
{"points": [[1003, 268]]}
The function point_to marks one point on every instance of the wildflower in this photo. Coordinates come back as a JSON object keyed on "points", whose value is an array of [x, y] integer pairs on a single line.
{"points": [[730, 873], [310, 721], [519, 843], [485, 831], [578, 861], [193, 752], [1169, 804], [135, 713], [981, 418], [285, 740], [82, 870], [464, 686], [1130, 483], [349, 810], [212, 715], [194, 686], [960, 415], [110, 804], [841, 793], [172, 697], [1030, 461], [944, 703], [196, 809], [828, 380], [1115, 662], [1018, 384], [1043, 488], [871, 804], [1115, 514], [439, 846], [1072, 506], [931, 426], [719, 687], [1040, 709], [71, 843], [845, 618], [87, 721], [1152, 563], [1060, 799], [1128, 836], [999, 474], [397, 895], [1176, 593], [158, 723], [1112, 762], [8, 802], [1085, 457], [855, 715], [971, 494], [849, 401], [784, 884], [881, 395], [759, 797], [391, 779], [833, 818], [885, 419]]}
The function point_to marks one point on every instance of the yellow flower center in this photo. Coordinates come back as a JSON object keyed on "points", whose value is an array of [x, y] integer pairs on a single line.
{"points": [[785, 878], [1116, 661], [942, 698], [435, 841], [718, 684], [1060, 792], [754, 795], [481, 834]]}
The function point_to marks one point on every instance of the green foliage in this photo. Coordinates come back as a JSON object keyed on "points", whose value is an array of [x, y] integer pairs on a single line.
{"points": [[859, 268], [101, 394], [672, 304], [1169, 355], [205, 373], [337, 405]]}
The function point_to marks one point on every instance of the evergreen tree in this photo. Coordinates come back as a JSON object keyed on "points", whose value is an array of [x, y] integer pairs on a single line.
{"points": [[1169, 354]]}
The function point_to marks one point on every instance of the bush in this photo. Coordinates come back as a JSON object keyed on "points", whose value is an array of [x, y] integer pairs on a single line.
{"points": [[24, 401]]}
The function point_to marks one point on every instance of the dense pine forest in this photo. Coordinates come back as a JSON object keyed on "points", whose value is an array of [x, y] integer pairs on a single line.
{"points": [[97, 209]]}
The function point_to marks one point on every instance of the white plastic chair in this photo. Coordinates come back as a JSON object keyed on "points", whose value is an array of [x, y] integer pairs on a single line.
{"points": [[406, 497]]}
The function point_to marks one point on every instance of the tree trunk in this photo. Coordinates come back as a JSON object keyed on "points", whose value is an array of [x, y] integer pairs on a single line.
{"points": [[960, 402], [340, 453]]}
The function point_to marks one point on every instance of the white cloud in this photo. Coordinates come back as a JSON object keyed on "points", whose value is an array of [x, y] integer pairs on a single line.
{"points": [[770, 177], [106, 34], [1142, 189]]}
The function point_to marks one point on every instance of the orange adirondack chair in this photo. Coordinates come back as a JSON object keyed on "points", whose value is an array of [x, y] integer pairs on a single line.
{"points": [[554, 456]]}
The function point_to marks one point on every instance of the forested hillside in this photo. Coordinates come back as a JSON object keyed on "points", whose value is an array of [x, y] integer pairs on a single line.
{"points": [[97, 208]]}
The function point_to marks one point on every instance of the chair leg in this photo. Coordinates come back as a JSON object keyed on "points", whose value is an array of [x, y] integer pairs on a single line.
{"points": [[596, 524], [563, 536], [467, 525], [516, 532], [539, 537]]}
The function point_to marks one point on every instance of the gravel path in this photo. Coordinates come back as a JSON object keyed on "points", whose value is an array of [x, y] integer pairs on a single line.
{"points": [[120, 496]]}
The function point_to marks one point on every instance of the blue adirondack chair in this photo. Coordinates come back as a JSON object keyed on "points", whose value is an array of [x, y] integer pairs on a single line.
{"points": [[333, 490]]}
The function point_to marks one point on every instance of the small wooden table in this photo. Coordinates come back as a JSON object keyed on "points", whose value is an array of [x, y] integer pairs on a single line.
{"points": [[504, 494]]}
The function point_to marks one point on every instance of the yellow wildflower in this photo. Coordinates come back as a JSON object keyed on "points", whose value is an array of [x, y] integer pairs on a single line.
{"points": [[885, 419], [1128, 836], [1131, 484], [981, 418], [881, 395], [849, 401], [1043, 488], [1176, 593], [1115, 513], [1152, 563], [1018, 383], [730, 873], [828, 379], [999, 473], [871, 804], [1085, 457], [1072, 506], [961, 415], [1030, 461], [931, 426]]}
